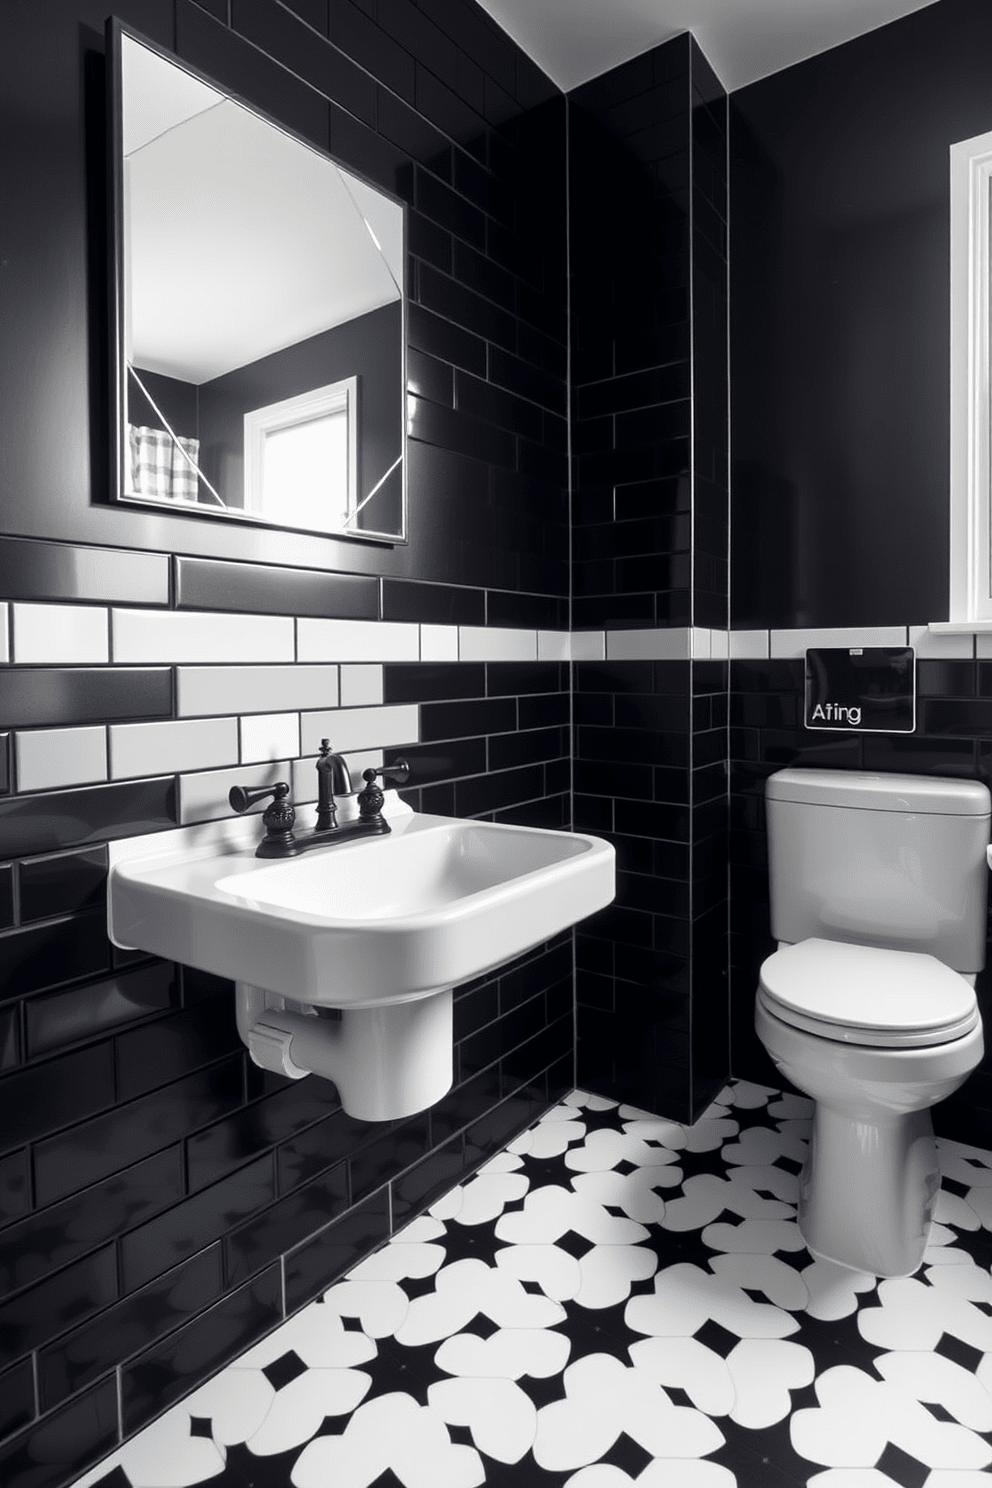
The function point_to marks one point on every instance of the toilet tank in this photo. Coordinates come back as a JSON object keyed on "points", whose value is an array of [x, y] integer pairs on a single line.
{"points": [[880, 860]]}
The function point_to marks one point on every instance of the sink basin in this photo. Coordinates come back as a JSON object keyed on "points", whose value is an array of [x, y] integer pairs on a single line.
{"points": [[377, 920]]}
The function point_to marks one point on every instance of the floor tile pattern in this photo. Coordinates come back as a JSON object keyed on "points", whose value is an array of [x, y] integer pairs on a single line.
{"points": [[613, 1300]]}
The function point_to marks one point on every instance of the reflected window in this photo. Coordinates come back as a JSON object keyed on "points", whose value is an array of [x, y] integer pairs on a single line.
{"points": [[301, 458]]}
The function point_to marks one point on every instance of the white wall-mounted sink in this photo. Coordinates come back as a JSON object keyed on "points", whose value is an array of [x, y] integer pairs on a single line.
{"points": [[373, 927]]}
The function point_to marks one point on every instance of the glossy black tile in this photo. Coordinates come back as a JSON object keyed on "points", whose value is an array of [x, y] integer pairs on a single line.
{"points": [[509, 750], [312, 1266], [6, 896], [68, 1089], [475, 1007], [319, 1148], [237, 66], [60, 1019], [48, 570], [155, 1247], [494, 792], [209, 584], [465, 1103], [54, 695], [230, 1143], [10, 1038], [59, 819], [53, 1237], [461, 720], [351, 29], [91, 1150], [59, 885], [169, 1369], [394, 1148], [432, 604], [432, 333], [37, 1314], [46, 955], [6, 771], [521, 678], [80, 1356], [15, 1187], [293, 1219], [433, 681], [275, 31], [60, 1446], [433, 762], [417, 1188], [16, 1398], [174, 1046], [531, 611]]}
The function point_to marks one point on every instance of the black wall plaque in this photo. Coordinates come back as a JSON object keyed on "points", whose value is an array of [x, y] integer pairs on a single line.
{"points": [[861, 689]]}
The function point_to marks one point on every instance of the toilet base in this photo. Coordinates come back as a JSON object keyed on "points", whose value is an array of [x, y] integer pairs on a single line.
{"points": [[868, 1189]]}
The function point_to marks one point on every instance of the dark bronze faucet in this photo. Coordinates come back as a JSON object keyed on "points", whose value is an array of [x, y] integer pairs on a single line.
{"points": [[333, 778]]}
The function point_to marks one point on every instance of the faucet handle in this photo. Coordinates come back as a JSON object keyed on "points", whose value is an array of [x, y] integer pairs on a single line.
{"points": [[398, 772], [278, 818], [371, 799], [243, 796]]}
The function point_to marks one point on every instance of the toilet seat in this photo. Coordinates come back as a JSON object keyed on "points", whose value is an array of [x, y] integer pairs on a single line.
{"points": [[864, 995]]}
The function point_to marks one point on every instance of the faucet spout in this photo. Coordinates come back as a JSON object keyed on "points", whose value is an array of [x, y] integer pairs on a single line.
{"points": [[333, 779]]}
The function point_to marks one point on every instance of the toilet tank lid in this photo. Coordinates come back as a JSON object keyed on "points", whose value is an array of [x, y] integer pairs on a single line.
{"points": [[930, 794]]}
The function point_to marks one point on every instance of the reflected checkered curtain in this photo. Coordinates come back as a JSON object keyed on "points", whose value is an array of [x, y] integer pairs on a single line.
{"points": [[159, 468]]}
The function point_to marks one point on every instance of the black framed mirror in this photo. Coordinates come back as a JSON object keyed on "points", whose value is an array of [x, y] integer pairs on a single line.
{"points": [[258, 313]]}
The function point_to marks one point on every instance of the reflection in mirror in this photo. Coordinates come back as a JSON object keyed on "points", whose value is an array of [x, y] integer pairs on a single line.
{"points": [[261, 313]]}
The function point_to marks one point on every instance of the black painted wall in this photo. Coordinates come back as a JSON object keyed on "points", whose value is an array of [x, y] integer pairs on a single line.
{"points": [[840, 317], [648, 210], [161, 1200]]}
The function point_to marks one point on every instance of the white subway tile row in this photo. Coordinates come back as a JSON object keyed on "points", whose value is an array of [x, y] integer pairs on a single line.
{"points": [[356, 640], [439, 643], [169, 637], [46, 759], [207, 690], [269, 736], [80, 634], [361, 685], [67, 634], [52, 759], [360, 728]]}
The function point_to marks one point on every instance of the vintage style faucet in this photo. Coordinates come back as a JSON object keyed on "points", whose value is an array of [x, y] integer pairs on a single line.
{"points": [[333, 779]]}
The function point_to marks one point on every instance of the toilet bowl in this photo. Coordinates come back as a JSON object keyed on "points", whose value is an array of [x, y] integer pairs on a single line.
{"points": [[875, 1038], [878, 889]]}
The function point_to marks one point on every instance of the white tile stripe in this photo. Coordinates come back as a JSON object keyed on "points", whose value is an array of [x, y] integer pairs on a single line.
{"points": [[194, 639]]}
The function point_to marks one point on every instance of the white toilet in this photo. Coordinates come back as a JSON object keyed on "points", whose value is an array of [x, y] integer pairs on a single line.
{"points": [[878, 895]]}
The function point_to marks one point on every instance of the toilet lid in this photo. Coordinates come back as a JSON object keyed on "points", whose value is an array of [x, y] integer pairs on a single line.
{"points": [[862, 995]]}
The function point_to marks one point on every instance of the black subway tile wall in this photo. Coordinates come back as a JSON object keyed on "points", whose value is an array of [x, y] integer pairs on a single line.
{"points": [[163, 1201], [648, 203]]}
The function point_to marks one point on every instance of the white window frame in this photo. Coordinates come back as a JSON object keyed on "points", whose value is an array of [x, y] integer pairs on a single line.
{"points": [[304, 408], [971, 477]]}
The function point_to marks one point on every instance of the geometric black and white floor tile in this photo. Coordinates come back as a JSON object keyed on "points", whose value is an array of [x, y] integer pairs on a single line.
{"points": [[615, 1300]]}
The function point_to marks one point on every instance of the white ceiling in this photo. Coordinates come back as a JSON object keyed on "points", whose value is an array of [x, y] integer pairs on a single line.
{"points": [[575, 40]]}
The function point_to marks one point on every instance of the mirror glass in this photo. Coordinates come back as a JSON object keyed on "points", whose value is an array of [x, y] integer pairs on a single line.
{"points": [[261, 317]]}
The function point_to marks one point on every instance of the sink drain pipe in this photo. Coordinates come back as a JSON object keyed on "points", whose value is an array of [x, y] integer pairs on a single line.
{"points": [[387, 1061]]}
